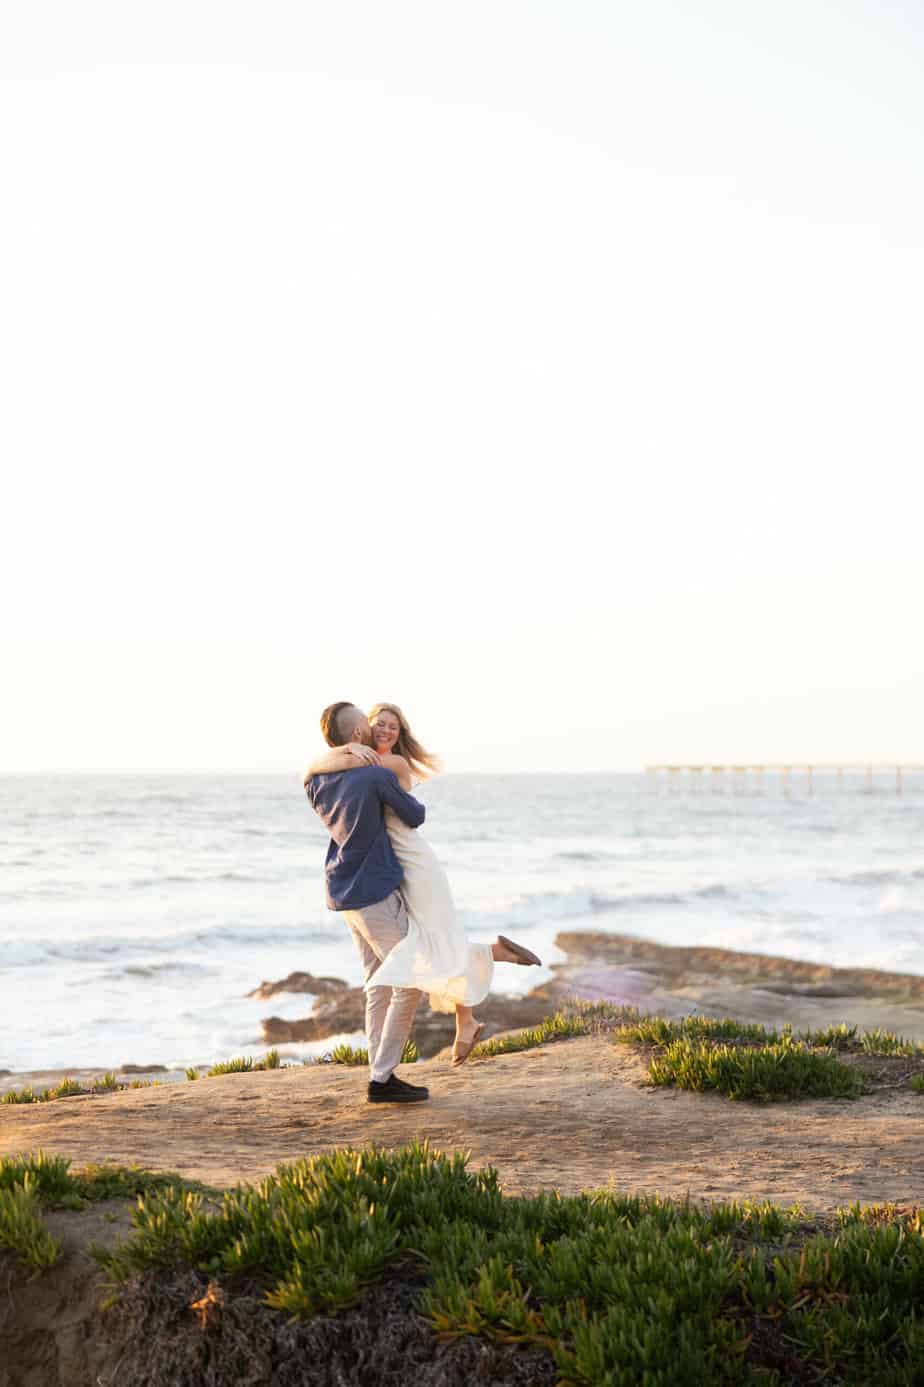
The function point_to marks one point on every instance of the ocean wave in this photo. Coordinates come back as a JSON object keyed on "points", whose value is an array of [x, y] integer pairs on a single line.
{"points": [[715, 891], [530, 910], [187, 879], [880, 876], [107, 948], [584, 855], [156, 970]]}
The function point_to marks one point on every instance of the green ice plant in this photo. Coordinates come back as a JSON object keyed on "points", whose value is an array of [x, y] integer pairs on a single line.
{"points": [[659, 1030], [241, 1065], [346, 1054], [71, 1088], [784, 1070], [561, 1026], [22, 1231], [616, 1288]]}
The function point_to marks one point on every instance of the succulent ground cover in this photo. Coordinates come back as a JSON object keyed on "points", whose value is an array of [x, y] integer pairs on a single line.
{"points": [[31, 1183], [70, 1088], [657, 1030], [346, 1054], [576, 1019], [747, 1061], [411, 1255], [244, 1064], [740, 1059], [600, 1289]]}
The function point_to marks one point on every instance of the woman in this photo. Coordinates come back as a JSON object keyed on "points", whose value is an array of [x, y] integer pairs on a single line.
{"points": [[435, 955]]}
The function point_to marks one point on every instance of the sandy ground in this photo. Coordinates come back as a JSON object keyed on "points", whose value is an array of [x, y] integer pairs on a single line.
{"points": [[570, 1116]]}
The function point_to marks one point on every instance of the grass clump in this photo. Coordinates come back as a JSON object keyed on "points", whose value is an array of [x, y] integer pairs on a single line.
{"points": [[47, 1176], [615, 1288], [36, 1181], [600, 1016], [917, 1083], [67, 1088], [785, 1070], [840, 1037], [241, 1065], [879, 1042], [94, 1183], [71, 1088], [346, 1054], [561, 1026], [749, 1061], [867, 1042], [658, 1030], [21, 1095], [55, 1185], [22, 1231], [908, 1216]]}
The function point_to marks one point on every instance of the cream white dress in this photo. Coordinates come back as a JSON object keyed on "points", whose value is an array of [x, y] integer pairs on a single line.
{"points": [[435, 955]]}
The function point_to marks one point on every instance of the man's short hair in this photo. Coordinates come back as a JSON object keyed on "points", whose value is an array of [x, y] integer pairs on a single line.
{"points": [[335, 725]]}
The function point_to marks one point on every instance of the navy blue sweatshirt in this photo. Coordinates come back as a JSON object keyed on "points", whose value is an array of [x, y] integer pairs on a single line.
{"points": [[361, 867]]}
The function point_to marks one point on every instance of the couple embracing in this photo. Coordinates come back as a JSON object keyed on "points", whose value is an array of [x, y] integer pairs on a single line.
{"points": [[392, 892]]}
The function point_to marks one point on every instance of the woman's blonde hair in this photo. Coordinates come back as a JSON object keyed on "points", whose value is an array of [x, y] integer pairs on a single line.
{"points": [[421, 762]]}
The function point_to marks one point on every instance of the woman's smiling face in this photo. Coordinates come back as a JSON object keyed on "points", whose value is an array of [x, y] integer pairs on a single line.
{"points": [[386, 730]]}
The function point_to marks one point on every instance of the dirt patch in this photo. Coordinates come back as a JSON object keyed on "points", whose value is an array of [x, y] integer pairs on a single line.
{"points": [[568, 1116], [885, 1073], [181, 1330], [51, 1329], [178, 1329]]}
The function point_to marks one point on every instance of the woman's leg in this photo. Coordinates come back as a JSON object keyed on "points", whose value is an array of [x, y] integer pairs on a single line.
{"points": [[466, 1025]]}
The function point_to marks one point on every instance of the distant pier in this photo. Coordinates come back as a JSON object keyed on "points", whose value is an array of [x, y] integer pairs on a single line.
{"points": [[705, 772]]}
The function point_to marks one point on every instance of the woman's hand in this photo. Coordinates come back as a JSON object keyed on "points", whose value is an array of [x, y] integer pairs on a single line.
{"points": [[365, 754]]}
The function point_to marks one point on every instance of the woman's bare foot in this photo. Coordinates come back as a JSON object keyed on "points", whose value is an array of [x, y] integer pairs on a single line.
{"points": [[466, 1026], [468, 1031], [504, 950], [463, 1048]]}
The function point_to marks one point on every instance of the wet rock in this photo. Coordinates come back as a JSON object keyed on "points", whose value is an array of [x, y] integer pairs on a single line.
{"points": [[142, 1069], [432, 1032], [674, 981], [299, 982], [336, 1015]]}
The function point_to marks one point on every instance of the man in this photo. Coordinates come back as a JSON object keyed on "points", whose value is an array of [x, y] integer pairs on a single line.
{"points": [[363, 875]]}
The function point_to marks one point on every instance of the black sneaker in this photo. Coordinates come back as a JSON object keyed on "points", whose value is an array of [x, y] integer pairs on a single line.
{"points": [[395, 1090]]}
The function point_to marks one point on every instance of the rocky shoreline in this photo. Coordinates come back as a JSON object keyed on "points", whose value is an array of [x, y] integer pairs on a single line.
{"points": [[675, 981], [617, 968], [629, 971]]}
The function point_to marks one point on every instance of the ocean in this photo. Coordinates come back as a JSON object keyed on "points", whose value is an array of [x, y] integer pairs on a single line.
{"points": [[136, 913]]}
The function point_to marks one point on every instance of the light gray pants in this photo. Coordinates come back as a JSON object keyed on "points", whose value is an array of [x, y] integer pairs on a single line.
{"points": [[389, 1010]]}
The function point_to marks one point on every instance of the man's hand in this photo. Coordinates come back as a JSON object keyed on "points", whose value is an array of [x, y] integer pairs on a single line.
{"points": [[363, 753]]}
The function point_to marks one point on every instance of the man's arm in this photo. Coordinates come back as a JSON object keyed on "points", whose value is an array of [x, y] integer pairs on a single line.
{"points": [[408, 809], [342, 758]]}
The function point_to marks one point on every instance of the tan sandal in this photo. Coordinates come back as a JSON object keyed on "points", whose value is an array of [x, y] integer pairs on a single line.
{"points": [[524, 956], [463, 1048]]}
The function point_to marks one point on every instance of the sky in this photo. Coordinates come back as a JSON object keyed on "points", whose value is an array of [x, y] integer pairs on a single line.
{"points": [[550, 369]]}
